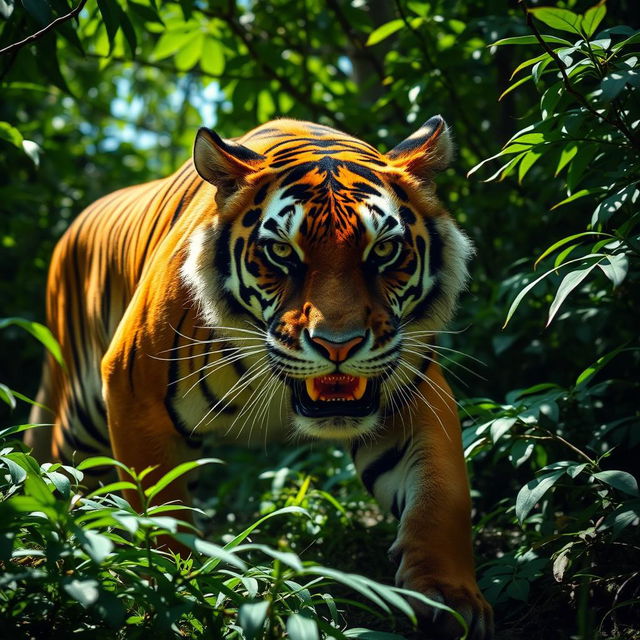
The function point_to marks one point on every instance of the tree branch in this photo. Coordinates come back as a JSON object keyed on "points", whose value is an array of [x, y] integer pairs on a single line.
{"points": [[38, 34]]}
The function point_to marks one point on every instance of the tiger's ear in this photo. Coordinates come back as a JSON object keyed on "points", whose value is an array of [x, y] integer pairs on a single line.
{"points": [[426, 151], [223, 163]]}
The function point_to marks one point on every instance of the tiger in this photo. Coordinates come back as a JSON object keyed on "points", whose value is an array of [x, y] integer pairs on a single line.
{"points": [[295, 269]]}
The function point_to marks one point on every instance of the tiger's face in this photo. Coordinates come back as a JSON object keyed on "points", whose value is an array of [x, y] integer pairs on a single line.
{"points": [[336, 252]]}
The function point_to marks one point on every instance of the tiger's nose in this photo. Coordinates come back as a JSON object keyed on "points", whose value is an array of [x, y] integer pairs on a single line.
{"points": [[336, 351]]}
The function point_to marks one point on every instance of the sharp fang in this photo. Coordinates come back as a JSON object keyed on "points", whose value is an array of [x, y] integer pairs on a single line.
{"points": [[311, 390], [360, 389]]}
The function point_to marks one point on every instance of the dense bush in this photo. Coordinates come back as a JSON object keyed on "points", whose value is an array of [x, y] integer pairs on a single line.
{"points": [[551, 419]]}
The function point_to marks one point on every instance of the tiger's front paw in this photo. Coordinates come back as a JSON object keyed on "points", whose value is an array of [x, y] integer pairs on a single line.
{"points": [[459, 593]]}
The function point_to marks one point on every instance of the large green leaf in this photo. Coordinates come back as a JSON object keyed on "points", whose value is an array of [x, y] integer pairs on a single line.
{"points": [[568, 284], [561, 19], [593, 17], [533, 491]]}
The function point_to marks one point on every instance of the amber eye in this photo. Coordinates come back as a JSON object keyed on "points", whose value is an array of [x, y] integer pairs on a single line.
{"points": [[281, 249], [384, 249]]}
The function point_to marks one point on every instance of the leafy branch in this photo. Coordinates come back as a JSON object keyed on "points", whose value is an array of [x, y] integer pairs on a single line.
{"points": [[50, 27], [617, 123]]}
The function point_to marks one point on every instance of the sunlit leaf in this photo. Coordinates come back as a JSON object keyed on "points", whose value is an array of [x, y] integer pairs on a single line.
{"points": [[175, 473], [593, 17], [39, 331], [384, 31], [561, 19], [615, 268], [568, 284], [531, 40]]}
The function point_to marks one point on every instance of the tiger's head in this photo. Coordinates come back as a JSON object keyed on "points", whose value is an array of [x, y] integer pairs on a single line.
{"points": [[341, 254]]}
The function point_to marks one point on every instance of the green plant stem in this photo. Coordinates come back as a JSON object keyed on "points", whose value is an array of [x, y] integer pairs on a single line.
{"points": [[273, 594]]}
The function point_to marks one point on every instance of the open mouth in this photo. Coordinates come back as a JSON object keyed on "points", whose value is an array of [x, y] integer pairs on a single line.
{"points": [[335, 395]]}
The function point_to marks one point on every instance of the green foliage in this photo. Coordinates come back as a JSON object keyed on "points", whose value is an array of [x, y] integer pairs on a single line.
{"points": [[114, 96], [78, 562]]}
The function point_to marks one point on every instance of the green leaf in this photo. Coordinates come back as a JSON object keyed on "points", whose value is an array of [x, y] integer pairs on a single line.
{"points": [[526, 163], [617, 268], [112, 488], [175, 473], [616, 81], [96, 545], [561, 19], [170, 42], [86, 592], [384, 31], [209, 549], [531, 40], [266, 106], [532, 492], [567, 240], [7, 396], [212, 59], [568, 284], [244, 534], [528, 63], [520, 452], [302, 628], [626, 196], [17, 473], [566, 155], [575, 196], [102, 461], [515, 85], [518, 299], [620, 480], [252, 616], [10, 134], [593, 17], [590, 371], [190, 53], [111, 16], [500, 426], [550, 99], [39, 332]]}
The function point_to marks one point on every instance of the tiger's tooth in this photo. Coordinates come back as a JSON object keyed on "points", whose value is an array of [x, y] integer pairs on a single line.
{"points": [[311, 389], [360, 389]]}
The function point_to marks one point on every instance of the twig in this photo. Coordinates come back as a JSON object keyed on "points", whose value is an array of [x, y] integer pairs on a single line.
{"points": [[619, 125], [38, 34]]}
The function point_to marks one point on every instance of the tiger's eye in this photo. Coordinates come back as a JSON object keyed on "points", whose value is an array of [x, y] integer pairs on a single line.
{"points": [[282, 249], [384, 249]]}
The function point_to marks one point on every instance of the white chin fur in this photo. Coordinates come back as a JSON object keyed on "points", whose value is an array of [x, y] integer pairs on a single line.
{"points": [[335, 427]]}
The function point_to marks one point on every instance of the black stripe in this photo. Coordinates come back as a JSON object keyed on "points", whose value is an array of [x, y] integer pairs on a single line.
{"points": [[89, 426], [382, 464], [192, 440]]}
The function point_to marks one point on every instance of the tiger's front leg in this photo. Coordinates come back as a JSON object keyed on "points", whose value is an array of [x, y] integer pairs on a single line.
{"points": [[417, 471]]}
